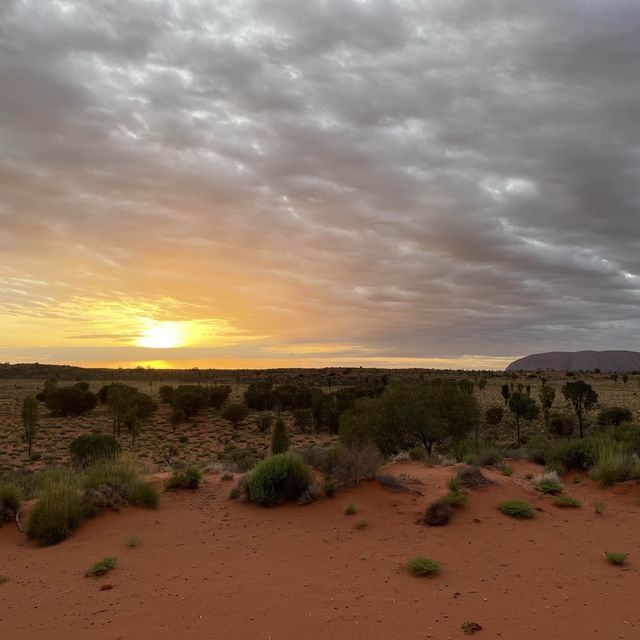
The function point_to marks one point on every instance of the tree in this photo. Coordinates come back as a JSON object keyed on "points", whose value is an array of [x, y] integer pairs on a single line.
{"points": [[279, 438], [482, 385], [615, 377], [494, 416], [466, 386], [218, 395], [614, 416], [117, 396], [302, 418], [582, 397], [191, 400], [30, 420], [625, 378], [547, 395], [235, 414], [506, 393], [66, 401], [408, 413], [522, 406]]}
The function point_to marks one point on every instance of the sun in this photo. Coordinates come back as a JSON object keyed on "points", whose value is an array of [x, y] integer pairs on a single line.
{"points": [[161, 335]]}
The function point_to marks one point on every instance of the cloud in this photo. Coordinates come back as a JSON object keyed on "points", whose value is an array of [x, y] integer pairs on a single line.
{"points": [[417, 178]]}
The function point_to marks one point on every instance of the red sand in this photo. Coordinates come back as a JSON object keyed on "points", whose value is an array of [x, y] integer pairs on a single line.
{"points": [[210, 568]]}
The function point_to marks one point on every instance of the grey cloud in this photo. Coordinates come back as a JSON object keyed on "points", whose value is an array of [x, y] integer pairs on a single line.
{"points": [[420, 177]]}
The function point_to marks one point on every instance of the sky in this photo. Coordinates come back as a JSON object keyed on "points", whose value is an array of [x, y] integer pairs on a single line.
{"points": [[264, 183]]}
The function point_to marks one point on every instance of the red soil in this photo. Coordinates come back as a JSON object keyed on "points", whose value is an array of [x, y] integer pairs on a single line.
{"points": [[210, 568]]}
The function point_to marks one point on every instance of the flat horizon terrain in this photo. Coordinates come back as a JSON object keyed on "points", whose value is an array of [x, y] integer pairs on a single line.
{"points": [[207, 567]]}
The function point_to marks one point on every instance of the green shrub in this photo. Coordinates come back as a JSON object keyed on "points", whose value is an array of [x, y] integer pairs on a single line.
{"points": [[235, 414], [506, 470], [422, 566], [548, 482], [516, 509], [102, 566], [59, 510], [417, 454], [438, 513], [350, 509], [132, 542], [613, 463], [562, 425], [615, 557], [571, 454], [120, 478], [566, 501], [614, 416], [279, 438], [189, 477], [278, 478], [92, 447], [455, 498], [330, 487], [454, 483], [629, 433], [361, 524], [10, 498]]}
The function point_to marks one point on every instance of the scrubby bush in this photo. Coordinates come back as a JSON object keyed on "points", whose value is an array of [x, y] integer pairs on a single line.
{"points": [[516, 509], [263, 422], [321, 458], [218, 395], [235, 414], [311, 494], [562, 425], [10, 498], [629, 434], [614, 416], [613, 463], [566, 501], [455, 498], [472, 477], [244, 459], [118, 477], [69, 401], [353, 464], [92, 447], [166, 394], [102, 566], [302, 418], [571, 454], [189, 477], [421, 566], [188, 401], [279, 437], [59, 510], [494, 416], [438, 513], [615, 557], [548, 482], [278, 478], [330, 487], [239, 487]]}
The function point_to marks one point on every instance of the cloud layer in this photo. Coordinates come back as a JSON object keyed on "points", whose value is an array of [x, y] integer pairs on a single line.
{"points": [[391, 179]]}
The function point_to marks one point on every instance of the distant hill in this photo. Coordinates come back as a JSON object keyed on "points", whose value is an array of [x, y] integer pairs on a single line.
{"points": [[578, 361]]}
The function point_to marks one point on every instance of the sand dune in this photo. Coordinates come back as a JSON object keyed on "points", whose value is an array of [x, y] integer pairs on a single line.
{"points": [[211, 568]]}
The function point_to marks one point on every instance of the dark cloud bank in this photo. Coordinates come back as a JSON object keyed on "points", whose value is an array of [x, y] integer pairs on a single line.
{"points": [[416, 178]]}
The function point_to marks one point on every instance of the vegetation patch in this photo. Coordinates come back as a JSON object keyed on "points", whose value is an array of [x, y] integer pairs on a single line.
{"points": [[516, 509], [279, 477], [102, 566], [566, 501], [548, 482], [472, 477], [615, 557], [10, 498], [469, 627], [613, 463], [422, 566], [189, 477], [351, 509], [438, 513]]}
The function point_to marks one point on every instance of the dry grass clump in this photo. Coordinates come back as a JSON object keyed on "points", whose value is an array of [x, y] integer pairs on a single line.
{"points": [[422, 566], [438, 513], [472, 477], [548, 482]]}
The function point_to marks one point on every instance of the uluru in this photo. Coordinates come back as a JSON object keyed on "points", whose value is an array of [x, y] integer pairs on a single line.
{"points": [[578, 361]]}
